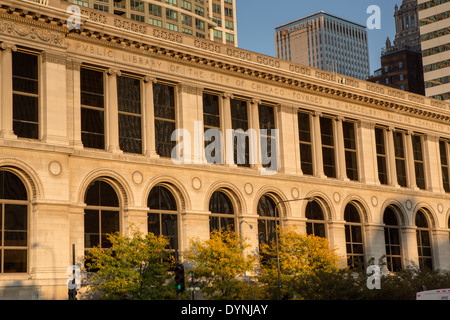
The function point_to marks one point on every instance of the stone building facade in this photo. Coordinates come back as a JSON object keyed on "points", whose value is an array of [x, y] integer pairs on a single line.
{"points": [[85, 149]]}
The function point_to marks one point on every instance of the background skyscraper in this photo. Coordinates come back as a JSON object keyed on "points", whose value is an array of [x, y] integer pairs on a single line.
{"points": [[401, 61], [434, 17], [327, 42], [209, 19]]}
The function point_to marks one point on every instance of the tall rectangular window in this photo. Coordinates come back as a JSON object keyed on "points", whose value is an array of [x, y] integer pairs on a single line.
{"points": [[186, 5], [211, 120], [92, 108], [328, 152], [419, 166], [351, 160], [304, 134], [239, 121], [130, 118], [171, 14], [155, 10], [25, 73], [267, 136], [400, 158], [164, 105], [380, 140], [444, 147]]}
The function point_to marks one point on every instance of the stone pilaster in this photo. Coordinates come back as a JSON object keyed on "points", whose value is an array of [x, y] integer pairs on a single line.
{"points": [[6, 86], [111, 112]]}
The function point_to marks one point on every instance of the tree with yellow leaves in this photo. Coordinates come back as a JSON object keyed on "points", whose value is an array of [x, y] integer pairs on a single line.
{"points": [[136, 268], [301, 257], [220, 264]]}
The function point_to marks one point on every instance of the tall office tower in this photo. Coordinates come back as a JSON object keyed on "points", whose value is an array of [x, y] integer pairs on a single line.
{"points": [[209, 19], [327, 42], [435, 37], [401, 61]]}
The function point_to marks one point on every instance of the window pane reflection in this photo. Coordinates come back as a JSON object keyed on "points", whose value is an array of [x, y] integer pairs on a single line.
{"points": [[222, 212], [315, 225], [162, 218], [13, 224], [101, 216]]}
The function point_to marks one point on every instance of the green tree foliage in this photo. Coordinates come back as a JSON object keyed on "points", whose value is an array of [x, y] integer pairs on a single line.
{"points": [[404, 284], [136, 267], [221, 266], [139, 267], [301, 257]]}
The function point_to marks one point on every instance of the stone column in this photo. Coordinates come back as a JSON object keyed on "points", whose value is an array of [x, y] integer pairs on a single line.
{"points": [[136, 218], [76, 230], [392, 171], [367, 154], [51, 252], [289, 150], [74, 103], [247, 227], [317, 146], [433, 172], [441, 249], [227, 130], [6, 88], [254, 139], [375, 243], [409, 245], [193, 224], [149, 118], [409, 155], [190, 119], [336, 237], [53, 96], [340, 150], [112, 112]]}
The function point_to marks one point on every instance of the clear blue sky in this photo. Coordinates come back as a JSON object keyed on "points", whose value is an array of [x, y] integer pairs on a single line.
{"points": [[256, 29]]}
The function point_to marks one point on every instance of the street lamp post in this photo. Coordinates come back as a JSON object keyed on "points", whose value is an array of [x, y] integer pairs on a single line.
{"points": [[276, 239]]}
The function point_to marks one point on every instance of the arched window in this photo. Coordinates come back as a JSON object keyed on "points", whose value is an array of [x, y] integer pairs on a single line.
{"points": [[392, 240], [222, 212], [353, 237], [101, 215], [163, 214], [268, 219], [423, 241], [316, 220], [13, 223]]}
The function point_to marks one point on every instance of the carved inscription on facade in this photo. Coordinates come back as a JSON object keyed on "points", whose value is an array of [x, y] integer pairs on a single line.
{"points": [[113, 55]]}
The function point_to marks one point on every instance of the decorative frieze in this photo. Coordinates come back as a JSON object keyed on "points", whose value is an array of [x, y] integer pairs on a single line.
{"points": [[94, 16], [167, 36], [130, 26], [31, 32]]}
